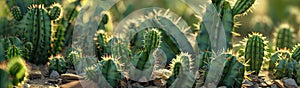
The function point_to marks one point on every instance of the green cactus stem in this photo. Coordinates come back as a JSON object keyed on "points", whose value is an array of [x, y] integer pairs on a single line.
{"points": [[13, 51], [282, 53], [57, 40], [17, 71], [284, 37], [36, 28], [151, 42], [255, 52], [296, 53], [181, 68], [101, 42], [58, 64], [16, 12], [242, 6], [121, 50]]}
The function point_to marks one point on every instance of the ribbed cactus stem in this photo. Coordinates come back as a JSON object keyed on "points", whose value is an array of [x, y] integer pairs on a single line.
{"points": [[13, 51], [151, 42], [101, 41], [255, 52], [280, 54], [16, 12], [58, 64], [242, 6], [284, 37], [57, 40], [110, 71], [121, 50]]}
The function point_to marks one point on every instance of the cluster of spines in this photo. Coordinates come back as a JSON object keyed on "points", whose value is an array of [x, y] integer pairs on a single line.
{"points": [[255, 52], [58, 64], [121, 50], [296, 53]]}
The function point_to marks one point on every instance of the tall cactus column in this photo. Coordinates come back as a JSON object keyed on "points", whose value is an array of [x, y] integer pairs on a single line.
{"points": [[255, 52]]}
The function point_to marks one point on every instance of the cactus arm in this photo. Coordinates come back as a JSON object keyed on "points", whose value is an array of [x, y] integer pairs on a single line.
{"points": [[55, 12], [227, 21], [241, 6], [57, 39]]}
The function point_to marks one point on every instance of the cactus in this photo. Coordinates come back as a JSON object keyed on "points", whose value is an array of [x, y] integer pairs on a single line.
{"points": [[101, 42], [151, 42], [16, 12], [296, 53], [38, 33], [181, 67], [233, 73], [28, 47], [226, 15], [255, 52], [174, 32], [284, 37], [55, 12], [121, 50], [72, 58], [4, 79], [17, 70], [109, 72], [13, 51], [57, 39], [282, 53], [285, 68], [58, 64]]}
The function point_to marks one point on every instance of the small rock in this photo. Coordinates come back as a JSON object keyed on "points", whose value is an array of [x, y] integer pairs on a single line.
{"points": [[54, 74], [263, 85], [71, 77], [34, 74], [274, 86], [290, 83], [279, 83], [246, 81]]}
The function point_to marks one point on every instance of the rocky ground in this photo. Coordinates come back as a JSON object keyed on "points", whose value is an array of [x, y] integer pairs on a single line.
{"points": [[39, 77]]}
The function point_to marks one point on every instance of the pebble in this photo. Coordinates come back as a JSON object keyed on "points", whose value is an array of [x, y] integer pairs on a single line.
{"points": [[34, 74], [290, 83], [54, 74]]}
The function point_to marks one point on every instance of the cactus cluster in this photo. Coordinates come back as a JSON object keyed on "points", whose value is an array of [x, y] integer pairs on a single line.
{"points": [[223, 10]]}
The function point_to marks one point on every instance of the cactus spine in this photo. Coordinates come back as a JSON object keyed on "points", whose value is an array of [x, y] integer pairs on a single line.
{"points": [[296, 53], [58, 64], [284, 37], [255, 52], [121, 50]]}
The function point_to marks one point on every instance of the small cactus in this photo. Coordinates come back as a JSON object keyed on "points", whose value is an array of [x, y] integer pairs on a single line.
{"points": [[55, 11], [282, 53], [284, 37], [255, 52], [58, 64], [17, 70], [101, 42], [16, 12], [181, 67], [109, 72], [13, 51], [296, 53]]}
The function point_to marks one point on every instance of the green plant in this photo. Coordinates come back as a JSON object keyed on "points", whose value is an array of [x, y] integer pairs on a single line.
{"points": [[13, 51], [255, 52], [9, 47], [39, 31], [282, 53], [58, 64], [106, 71], [296, 53], [284, 37], [180, 67], [101, 42], [57, 40], [120, 50], [72, 57], [226, 15], [4, 77], [17, 71]]}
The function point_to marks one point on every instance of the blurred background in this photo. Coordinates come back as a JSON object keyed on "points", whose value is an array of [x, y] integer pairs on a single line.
{"points": [[265, 16]]}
